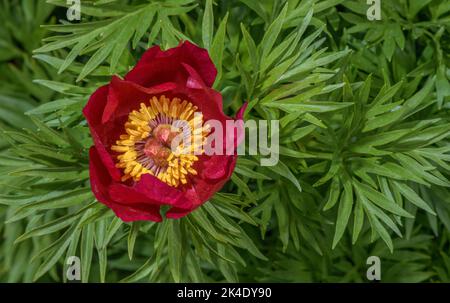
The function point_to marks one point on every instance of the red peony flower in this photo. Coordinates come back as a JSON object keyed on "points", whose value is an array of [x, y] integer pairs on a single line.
{"points": [[133, 170]]}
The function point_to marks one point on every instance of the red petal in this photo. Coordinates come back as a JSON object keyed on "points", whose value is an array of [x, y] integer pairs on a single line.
{"points": [[92, 111], [154, 188], [157, 66], [241, 111], [101, 183], [125, 96], [199, 59], [215, 167], [196, 195]]}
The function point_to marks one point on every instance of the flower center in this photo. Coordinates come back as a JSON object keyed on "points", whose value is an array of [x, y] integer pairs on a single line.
{"points": [[146, 148], [158, 144]]}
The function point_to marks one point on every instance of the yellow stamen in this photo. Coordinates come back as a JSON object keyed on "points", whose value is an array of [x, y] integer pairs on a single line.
{"points": [[141, 127]]}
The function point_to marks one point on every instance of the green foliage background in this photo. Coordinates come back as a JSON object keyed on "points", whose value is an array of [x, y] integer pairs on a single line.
{"points": [[364, 157]]}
